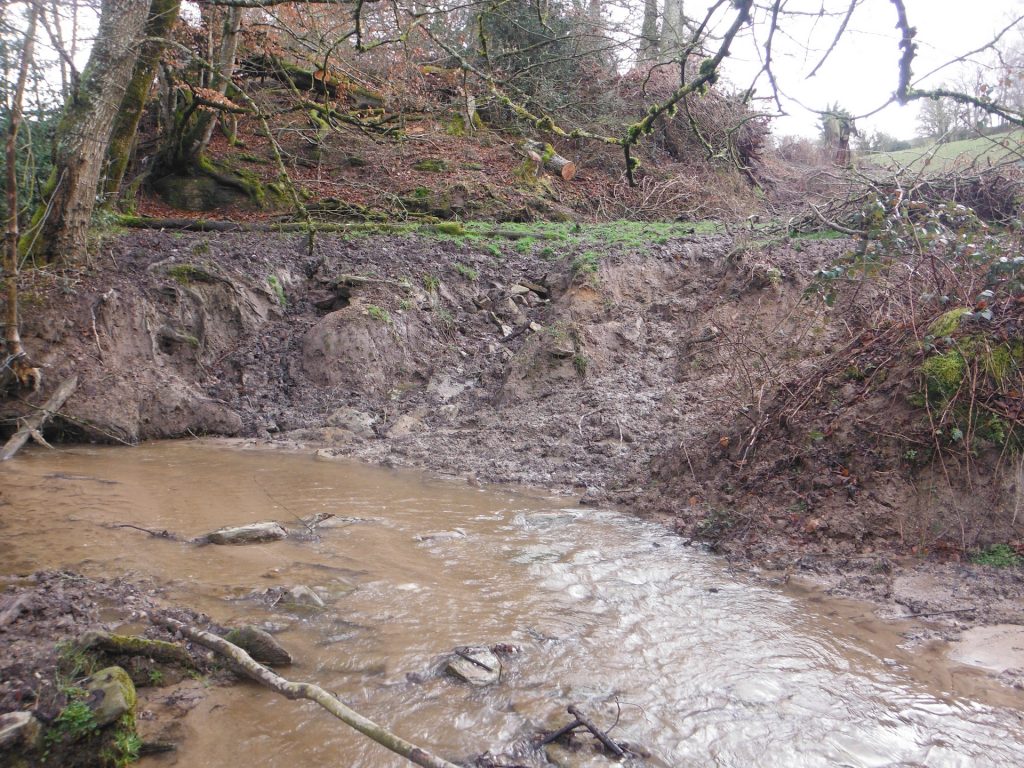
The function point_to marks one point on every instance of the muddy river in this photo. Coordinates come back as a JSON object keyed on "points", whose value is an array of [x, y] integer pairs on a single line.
{"points": [[697, 664]]}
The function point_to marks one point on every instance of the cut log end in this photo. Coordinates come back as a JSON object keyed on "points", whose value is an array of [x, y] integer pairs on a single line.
{"points": [[544, 153]]}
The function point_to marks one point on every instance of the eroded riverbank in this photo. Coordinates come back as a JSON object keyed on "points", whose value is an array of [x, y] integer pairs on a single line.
{"points": [[609, 362], [700, 665]]}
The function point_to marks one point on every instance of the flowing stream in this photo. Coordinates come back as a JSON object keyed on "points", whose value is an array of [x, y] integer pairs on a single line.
{"points": [[698, 665]]}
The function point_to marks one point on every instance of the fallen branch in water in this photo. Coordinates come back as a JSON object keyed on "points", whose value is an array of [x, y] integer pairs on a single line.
{"points": [[598, 733], [164, 534], [585, 722], [244, 663]]}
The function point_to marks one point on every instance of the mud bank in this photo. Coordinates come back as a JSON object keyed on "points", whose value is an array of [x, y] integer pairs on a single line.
{"points": [[627, 375]]}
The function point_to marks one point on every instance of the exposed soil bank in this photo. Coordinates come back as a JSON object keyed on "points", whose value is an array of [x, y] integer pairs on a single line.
{"points": [[627, 375]]}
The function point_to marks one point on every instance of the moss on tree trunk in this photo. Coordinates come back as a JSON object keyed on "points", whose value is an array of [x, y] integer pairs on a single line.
{"points": [[162, 16], [84, 131]]}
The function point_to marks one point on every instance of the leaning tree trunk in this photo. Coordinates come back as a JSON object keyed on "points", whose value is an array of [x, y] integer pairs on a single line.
{"points": [[83, 133], [17, 363], [162, 16]]}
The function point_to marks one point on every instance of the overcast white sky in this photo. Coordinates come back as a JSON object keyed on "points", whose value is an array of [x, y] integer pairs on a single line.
{"points": [[862, 72]]}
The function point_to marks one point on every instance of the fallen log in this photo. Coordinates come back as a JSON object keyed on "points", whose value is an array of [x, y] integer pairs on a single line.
{"points": [[130, 645], [208, 225], [244, 663], [268, 65], [333, 84], [563, 166], [33, 424]]}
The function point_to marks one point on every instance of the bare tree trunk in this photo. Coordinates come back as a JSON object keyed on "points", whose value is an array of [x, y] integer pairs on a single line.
{"points": [[162, 16], [26, 374], [673, 28], [65, 80], [59, 228], [648, 51]]}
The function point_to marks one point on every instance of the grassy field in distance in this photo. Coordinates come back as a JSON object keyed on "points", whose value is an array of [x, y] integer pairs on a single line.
{"points": [[986, 150]]}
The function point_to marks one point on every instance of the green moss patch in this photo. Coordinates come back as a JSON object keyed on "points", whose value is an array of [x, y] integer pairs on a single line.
{"points": [[944, 373], [945, 324], [191, 273], [431, 166]]}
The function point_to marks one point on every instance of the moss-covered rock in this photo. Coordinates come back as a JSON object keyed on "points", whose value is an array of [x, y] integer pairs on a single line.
{"points": [[946, 323], [191, 273], [95, 728], [19, 730], [110, 694], [259, 644], [197, 193], [430, 165], [131, 645]]}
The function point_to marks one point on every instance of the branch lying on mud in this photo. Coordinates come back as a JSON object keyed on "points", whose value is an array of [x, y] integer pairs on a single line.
{"points": [[937, 613], [244, 663], [34, 423], [15, 608]]}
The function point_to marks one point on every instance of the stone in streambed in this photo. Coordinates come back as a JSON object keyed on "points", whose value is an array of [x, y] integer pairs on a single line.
{"points": [[584, 757], [457, 533], [253, 533], [476, 666], [302, 595], [355, 421], [259, 644]]}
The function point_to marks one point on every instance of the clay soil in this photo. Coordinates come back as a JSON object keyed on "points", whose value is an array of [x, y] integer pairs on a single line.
{"points": [[640, 374]]}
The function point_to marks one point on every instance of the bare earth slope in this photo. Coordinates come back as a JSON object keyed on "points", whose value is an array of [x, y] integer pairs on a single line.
{"points": [[626, 375]]}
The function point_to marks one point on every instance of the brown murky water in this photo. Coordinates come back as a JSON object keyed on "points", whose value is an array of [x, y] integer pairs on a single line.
{"points": [[700, 666]]}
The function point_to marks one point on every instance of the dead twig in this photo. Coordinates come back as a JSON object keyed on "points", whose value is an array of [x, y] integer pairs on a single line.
{"points": [[600, 735], [165, 534]]}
